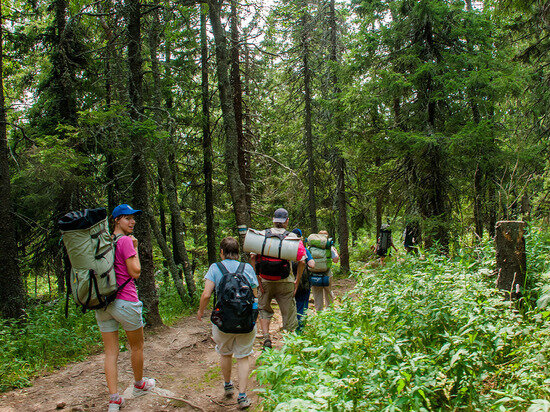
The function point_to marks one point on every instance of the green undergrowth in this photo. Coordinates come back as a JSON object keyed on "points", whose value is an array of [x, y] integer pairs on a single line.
{"points": [[47, 341], [171, 306], [428, 334]]}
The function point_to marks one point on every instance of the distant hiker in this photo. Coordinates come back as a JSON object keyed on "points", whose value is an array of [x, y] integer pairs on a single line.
{"points": [[324, 254], [237, 279], [125, 310], [384, 242], [304, 287], [276, 280], [411, 238]]}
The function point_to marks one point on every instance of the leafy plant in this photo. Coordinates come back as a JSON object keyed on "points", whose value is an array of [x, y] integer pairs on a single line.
{"points": [[430, 334]]}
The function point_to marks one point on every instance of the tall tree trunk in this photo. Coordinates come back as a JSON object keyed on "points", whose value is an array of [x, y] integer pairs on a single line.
{"points": [[168, 181], [492, 195], [207, 146], [236, 86], [162, 213], [432, 202], [478, 218], [63, 75], [12, 292], [110, 52], [156, 100], [247, 129], [172, 267], [379, 201], [343, 229], [177, 223], [171, 131], [308, 129], [237, 188], [478, 174], [140, 188]]}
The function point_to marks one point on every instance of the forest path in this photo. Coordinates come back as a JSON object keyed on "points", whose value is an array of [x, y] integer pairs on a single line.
{"points": [[181, 357]]}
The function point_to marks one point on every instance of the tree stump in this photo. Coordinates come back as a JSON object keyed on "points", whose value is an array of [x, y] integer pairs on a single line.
{"points": [[511, 258]]}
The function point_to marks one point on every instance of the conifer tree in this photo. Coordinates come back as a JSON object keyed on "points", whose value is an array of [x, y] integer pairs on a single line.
{"points": [[12, 292]]}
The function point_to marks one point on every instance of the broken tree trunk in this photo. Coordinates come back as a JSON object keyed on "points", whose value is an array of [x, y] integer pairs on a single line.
{"points": [[511, 258]]}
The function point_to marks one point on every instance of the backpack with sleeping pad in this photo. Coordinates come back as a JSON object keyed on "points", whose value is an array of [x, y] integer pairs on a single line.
{"points": [[271, 268], [91, 250], [234, 310], [319, 246]]}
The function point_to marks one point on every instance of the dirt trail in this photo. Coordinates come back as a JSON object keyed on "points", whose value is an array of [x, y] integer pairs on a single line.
{"points": [[182, 359]]}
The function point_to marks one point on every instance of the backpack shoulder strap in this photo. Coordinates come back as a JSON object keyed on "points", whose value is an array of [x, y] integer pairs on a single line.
{"points": [[266, 235], [222, 268], [240, 269], [281, 238]]}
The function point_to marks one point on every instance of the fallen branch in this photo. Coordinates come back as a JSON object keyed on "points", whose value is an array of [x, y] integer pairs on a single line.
{"points": [[273, 160], [191, 404]]}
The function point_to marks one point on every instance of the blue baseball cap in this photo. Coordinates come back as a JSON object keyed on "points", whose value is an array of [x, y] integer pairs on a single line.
{"points": [[124, 209], [280, 215]]}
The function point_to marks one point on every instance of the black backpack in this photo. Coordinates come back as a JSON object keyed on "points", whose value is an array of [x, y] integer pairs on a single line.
{"points": [[304, 284], [385, 241], [233, 312], [409, 237]]}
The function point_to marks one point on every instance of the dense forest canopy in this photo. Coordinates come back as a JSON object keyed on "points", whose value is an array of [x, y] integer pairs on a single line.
{"points": [[210, 115]]}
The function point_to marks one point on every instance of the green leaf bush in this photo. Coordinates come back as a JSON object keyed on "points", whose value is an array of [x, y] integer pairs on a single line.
{"points": [[418, 335], [46, 340]]}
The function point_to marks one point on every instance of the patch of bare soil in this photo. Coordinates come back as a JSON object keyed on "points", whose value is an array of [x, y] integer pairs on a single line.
{"points": [[182, 359]]}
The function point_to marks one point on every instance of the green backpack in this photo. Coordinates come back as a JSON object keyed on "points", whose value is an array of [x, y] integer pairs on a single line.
{"points": [[91, 250], [320, 248]]}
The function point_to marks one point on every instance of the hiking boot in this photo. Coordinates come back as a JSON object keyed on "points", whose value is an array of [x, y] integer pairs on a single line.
{"points": [[114, 406], [267, 343], [243, 402], [144, 388], [228, 389]]}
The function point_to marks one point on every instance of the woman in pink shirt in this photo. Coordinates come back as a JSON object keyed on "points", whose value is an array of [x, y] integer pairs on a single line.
{"points": [[126, 309]]}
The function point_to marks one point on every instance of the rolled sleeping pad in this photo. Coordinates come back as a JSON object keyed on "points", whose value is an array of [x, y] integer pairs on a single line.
{"points": [[274, 247], [320, 241]]}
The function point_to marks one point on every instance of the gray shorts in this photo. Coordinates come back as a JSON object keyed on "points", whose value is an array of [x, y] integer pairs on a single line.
{"points": [[240, 345], [120, 312]]}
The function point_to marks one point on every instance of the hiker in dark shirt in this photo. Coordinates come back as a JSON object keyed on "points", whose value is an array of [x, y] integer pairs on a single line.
{"points": [[411, 238], [384, 242]]}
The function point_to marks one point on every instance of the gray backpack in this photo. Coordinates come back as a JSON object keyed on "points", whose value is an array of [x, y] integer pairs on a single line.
{"points": [[91, 250]]}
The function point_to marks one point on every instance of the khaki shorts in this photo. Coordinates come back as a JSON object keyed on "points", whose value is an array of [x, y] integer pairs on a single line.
{"points": [[120, 312], [240, 345], [283, 293]]}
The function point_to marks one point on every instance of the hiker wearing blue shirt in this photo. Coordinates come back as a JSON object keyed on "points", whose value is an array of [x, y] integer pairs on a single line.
{"points": [[229, 345]]}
